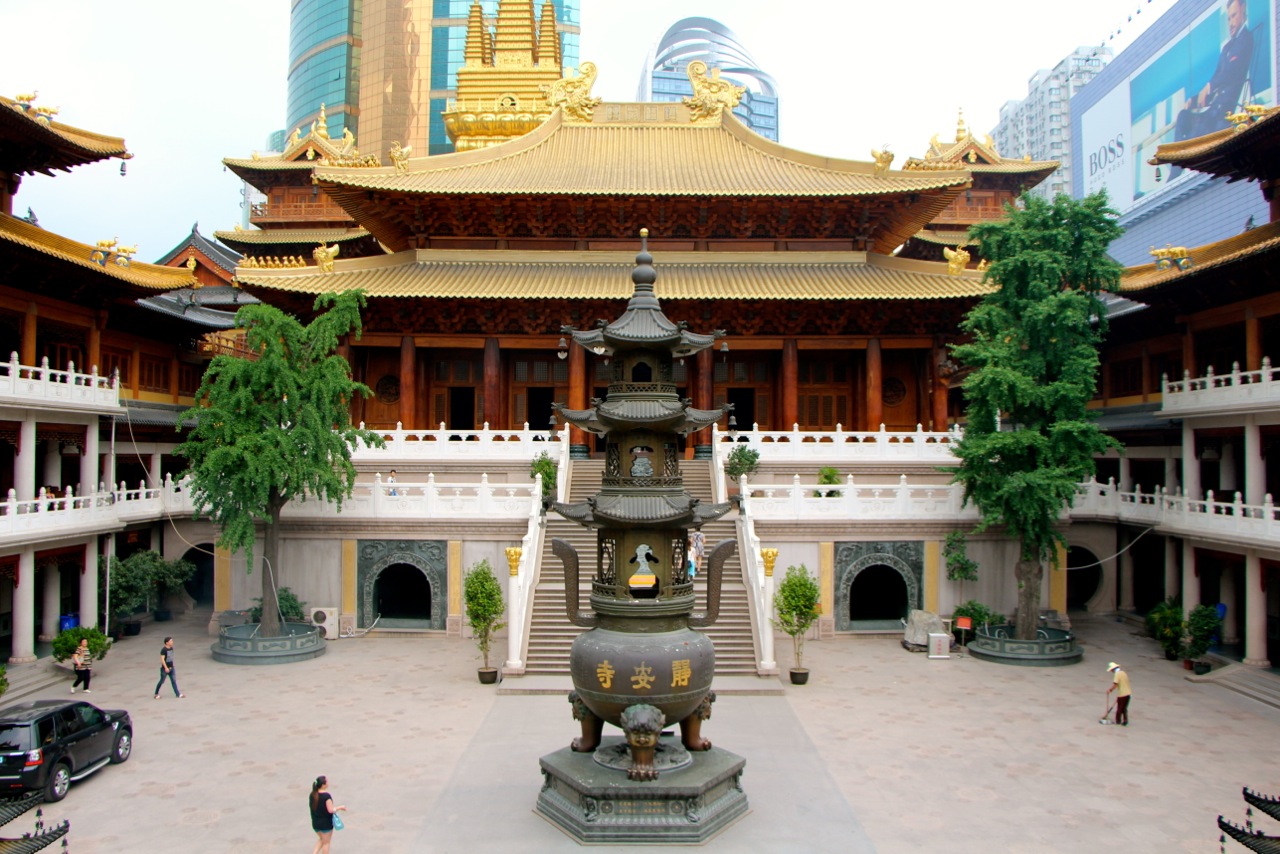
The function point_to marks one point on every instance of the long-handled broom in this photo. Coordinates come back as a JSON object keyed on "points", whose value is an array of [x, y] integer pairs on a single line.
{"points": [[1106, 718]]}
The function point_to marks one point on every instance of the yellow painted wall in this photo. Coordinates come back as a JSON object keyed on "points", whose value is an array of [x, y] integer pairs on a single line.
{"points": [[455, 578], [221, 579], [827, 577], [348, 595], [1058, 581]]}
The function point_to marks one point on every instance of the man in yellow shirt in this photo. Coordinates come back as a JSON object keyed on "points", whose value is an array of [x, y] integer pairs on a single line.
{"points": [[1120, 684]]}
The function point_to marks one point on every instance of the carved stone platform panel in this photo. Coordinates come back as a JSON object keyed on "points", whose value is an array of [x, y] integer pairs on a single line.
{"points": [[905, 557], [430, 557]]}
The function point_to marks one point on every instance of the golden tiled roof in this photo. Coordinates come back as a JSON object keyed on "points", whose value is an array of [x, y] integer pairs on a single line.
{"points": [[1211, 255], [610, 157], [1202, 146], [944, 238], [76, 146], [17, 232], [274, 236], [474, 274]]}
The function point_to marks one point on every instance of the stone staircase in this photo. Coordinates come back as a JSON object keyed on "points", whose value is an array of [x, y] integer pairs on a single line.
{"points": [[550, 632], [1253, 682]]}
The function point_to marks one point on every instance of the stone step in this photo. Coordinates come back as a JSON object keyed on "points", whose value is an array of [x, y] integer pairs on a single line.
{"points": [[1253, 682]]}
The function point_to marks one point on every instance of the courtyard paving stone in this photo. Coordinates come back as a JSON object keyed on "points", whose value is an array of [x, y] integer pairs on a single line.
{"points": [[882, 751]]}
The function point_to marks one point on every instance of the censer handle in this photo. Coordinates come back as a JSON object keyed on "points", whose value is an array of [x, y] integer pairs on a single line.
{"points": [[569, 557], [715, 575]]}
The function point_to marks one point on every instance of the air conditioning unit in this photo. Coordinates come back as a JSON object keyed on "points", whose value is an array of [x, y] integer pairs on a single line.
{"points": [[327, 620], [346, 625]]}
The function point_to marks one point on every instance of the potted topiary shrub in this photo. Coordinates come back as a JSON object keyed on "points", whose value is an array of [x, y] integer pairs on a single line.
{"points": [[1202, 624], [743, 459], [544, 464], [65, 643], [130, 584], [483, 598], [828, 476], [796, 603], [1165, 624]]}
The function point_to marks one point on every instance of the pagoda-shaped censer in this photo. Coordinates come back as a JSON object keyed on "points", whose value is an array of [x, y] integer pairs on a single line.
{"points": [[642, 665]]}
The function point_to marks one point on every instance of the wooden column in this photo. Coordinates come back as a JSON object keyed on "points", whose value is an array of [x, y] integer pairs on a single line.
{"points": [[1252, 343], [790, 385], [875, 383], [493, 384], [135, 373], [94, 342], [1188, 353], [940, 389], [28, 354], [409, 383], [578, 447]]}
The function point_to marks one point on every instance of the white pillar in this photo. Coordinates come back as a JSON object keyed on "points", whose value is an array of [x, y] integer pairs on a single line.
{"points": [[24, 609], [153, 471], [1126, 574], [51, 601], [1171, 481], [51, 474], [1255, 613], [1227, 470], [24, 463], [1190, 465], [88, 585], [1227, 595], [1190, 584], [89, 462], [1255, 471], [1170, 567], [1126, 474]]}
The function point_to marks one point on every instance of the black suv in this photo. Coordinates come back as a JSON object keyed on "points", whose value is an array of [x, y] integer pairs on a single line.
{"points": [[46, 744]]}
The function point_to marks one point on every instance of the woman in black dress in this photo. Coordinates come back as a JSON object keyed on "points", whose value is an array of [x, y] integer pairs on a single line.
{"points": [[322, 810]]}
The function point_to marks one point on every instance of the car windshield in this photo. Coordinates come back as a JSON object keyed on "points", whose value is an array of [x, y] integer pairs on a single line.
{"points": [[14, 738]]}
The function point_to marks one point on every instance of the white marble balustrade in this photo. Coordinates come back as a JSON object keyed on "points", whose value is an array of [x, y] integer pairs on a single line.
{"points": [[1217, 394], [462, 445], [840, 446], [47, 388], [810, 501]]}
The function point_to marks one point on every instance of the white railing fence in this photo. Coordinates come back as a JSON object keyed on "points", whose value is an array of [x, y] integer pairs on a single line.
{"points": [[1236, 388], [50, 387], [461, 445], [522, 584], [839, 445], [759, 588]]}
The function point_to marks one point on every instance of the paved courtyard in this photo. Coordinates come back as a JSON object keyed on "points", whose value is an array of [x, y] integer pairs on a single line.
{"points": [[882, 751]]}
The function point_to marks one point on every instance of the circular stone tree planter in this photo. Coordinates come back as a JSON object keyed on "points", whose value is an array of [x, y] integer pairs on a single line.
{"points": [[243, 644], [1051, 647]]}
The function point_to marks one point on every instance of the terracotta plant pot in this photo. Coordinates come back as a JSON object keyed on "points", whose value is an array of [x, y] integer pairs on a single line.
{"points": [[799, 675], [488, 675], [1186, 664]]}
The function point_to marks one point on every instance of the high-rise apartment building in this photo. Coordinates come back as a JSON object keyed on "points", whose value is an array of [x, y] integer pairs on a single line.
{"points": [[386, 69], [1040, 124], [665, 76]]}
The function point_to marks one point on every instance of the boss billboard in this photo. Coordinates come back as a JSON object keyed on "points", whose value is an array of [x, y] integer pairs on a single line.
{"points": [[1222, 60]]}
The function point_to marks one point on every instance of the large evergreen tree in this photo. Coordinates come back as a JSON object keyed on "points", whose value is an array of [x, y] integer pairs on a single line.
{"points": [[275, 427], [1033, 351]]}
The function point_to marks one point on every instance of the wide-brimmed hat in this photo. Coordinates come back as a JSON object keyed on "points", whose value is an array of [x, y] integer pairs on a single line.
{"points": [[1112, 666]]}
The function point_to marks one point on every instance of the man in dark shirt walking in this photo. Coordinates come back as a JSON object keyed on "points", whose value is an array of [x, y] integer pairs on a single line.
{"points": [[167, 669]]}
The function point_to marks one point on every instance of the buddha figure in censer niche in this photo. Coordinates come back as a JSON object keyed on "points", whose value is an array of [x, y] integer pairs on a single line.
{"points": [[642, 664]]}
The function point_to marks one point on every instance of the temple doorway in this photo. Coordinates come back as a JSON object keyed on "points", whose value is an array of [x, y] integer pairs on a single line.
{"points": [[744, 407], [402, 595], [1084, 576], [879, 594], [462, 408], [539, 413], [200, 586]]}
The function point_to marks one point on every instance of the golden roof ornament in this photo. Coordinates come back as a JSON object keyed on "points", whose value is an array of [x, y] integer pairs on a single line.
{"points": [[191, 262], [984, 265], [1247, 115], [884, 158], [1172, 256], [573, 94], [973, 156], [710, 94], [957, 260], [322, 125], [349, 143], [26, 99], [45, 114], [324, 256], [962, 132], [400, 156], [295, 137], [124, 255]]}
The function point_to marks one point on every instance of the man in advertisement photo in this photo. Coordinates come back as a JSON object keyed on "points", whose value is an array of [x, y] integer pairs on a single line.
{"points": [[1207, 110]]}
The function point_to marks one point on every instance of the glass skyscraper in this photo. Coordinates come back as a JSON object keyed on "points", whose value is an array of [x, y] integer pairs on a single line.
{"points": [[665, 75], [324, 64]]}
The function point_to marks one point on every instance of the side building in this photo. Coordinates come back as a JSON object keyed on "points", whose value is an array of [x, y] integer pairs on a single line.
{"points": [[1039, 126]]}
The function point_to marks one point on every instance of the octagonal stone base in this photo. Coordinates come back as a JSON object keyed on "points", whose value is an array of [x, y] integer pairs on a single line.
{"points": [[598, 805], [1051, 647], [242, 645]]}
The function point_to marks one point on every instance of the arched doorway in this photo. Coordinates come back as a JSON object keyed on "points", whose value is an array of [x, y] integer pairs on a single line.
{"points": [[200, 585], [1084, 575], [878, 593], [402, 595]]}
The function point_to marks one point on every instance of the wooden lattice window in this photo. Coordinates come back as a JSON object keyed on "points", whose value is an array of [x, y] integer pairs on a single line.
{"points": [[153, 374], [117, 360]]}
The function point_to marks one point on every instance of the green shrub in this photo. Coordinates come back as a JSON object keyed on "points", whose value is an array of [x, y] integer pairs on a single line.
{"points": [[1202, 624], [291, 608], [796, 602], [980, 614], [483, 597], [743, 459], [65, 643], [828, 476], [1165, 623], [545, 465], [172, 575], [4, 680]]}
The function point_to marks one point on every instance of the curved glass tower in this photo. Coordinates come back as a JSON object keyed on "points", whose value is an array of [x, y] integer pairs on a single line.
{"points": [[664, 76], [324, 65]]}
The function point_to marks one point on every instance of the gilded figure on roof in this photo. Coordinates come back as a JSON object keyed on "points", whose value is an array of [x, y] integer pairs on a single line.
{"points": [[324, 256], [883, 158], [400, 156], [573, 94], [710, 94], [957, 259]]}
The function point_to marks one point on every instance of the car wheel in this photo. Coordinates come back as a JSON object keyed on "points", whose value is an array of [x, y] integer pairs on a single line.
{"points": [[123, 746], [59, 782]]}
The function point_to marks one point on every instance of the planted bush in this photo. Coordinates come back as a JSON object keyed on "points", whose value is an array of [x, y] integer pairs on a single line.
{"points": [[980, 614], [291, 608], [65, 643], [485, 607], [797, 604]]}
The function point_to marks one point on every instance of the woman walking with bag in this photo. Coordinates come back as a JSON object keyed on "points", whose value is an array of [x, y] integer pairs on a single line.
{"points": [[324, 814], [82, 661]]}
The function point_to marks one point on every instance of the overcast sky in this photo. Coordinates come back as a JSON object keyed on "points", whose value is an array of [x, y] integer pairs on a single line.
{"points": [[187, 84]]}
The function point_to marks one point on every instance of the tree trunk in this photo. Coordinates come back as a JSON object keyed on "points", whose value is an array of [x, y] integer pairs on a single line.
{"points": [[270, 626], [1029, 574]]}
